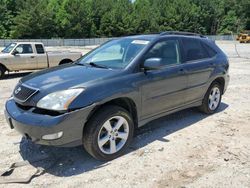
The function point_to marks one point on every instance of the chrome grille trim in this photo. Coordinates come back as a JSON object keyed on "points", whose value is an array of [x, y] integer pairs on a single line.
{"points": [[31, 91]]}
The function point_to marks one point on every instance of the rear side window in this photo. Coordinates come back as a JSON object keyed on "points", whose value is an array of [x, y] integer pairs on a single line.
{"points": [[194, 50], [39, 49], [211, 52]]}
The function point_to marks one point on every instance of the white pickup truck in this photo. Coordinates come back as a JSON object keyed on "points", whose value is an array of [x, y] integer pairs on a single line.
{"points": [[30, 56]]}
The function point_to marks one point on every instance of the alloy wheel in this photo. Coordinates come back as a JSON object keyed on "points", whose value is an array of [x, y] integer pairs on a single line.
{"points": [[214, 98], [113, 135]]}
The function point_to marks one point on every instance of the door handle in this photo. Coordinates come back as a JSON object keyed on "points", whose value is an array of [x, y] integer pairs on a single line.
{"points": [[182, 71], [32, 56]]}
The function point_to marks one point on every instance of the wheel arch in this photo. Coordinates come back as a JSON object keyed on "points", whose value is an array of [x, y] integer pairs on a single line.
{"points": [[221, 81], [64, 61], [124, 102], [3, 66]]}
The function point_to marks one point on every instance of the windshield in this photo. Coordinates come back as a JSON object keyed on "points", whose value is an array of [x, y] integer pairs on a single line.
{"points": [[114, 54], [9, 48]]}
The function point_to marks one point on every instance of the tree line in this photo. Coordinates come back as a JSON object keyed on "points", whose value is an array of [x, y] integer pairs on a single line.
{"points": [[112, 18]]}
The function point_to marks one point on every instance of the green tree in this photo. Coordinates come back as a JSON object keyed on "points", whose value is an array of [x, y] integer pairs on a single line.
{"points": [[229, 23], [212, 14], [100, 8], [33, 20], [117, 21], [74, 19], [7, 12], [145, 17], [97, 18]]}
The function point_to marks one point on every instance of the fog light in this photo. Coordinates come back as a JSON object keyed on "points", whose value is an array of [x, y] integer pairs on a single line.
{"points": [[52, 136]]}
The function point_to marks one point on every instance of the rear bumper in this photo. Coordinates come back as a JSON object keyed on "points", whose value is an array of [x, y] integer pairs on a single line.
{"points": [[35, 126], [227, 78]]}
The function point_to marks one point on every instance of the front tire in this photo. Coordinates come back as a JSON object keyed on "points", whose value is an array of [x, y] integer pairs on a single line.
{"points": [[212, 99], [108, 133], [2, 72]]}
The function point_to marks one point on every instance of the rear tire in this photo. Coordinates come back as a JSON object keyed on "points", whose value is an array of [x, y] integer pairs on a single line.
{"points": [[2, 72], [212, 99], [108, 133], [65, 61]]}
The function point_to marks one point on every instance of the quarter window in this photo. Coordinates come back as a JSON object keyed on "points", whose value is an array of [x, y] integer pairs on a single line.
{"points": [[211, 52], [167, 51], [194, 50], [39, 49]]}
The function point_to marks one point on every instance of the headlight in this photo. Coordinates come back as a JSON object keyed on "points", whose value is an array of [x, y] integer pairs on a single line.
{"points": [[59, 100]]}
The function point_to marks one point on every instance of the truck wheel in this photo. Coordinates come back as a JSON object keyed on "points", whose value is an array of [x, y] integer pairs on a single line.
{"points": [[2, 71], [108, 133], [65, 61], [212, 99]]}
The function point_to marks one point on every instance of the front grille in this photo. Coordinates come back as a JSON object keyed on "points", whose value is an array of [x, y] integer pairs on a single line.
{"points": [[244, 37], [23, 92]]}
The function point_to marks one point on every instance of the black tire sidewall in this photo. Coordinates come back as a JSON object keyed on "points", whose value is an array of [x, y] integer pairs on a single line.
{"points": [[102, 116], [2, 70]]}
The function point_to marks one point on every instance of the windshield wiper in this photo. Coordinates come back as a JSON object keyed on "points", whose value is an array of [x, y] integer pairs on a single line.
{"points": [[97, 65]]}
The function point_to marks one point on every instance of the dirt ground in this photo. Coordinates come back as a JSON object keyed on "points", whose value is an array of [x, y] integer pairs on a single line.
{"points": [[185, 149]]}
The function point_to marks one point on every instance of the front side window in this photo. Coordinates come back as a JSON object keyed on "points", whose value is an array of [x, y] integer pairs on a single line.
{"points": [[193, 49], [115, 54], [24, 49], [167, 51]]}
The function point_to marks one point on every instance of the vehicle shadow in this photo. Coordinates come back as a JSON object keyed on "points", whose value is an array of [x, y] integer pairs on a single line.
{"points": [[15, 75], [74, 161]]}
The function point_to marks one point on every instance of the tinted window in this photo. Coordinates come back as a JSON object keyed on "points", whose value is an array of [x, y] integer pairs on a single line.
{"points": [[24, 49], [39, 49], [211, 52], [193, 49], [168, 51]]}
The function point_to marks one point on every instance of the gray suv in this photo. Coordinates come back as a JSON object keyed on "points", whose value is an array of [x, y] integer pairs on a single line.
{"points": [[99, 100]]}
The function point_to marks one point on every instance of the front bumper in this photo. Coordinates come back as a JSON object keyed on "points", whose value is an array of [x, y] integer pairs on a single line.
{"points": [[35, 126]]}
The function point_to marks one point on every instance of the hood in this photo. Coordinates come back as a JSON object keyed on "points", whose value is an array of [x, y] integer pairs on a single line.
{"points": [[4, 55], [67, 76]]}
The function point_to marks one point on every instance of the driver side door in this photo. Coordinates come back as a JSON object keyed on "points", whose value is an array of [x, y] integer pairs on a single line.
{"points": [[164, 88], [24, 59]]}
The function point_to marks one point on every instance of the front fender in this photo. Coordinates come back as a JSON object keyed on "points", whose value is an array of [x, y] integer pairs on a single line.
{"points": [[105, 91]]}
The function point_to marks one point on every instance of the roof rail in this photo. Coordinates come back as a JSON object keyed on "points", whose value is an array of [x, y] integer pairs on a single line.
{"points": [[181, 33]]}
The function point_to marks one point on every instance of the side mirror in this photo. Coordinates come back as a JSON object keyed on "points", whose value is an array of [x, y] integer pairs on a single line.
{"points": [[152, 64], [121, 51], [14, 52]]}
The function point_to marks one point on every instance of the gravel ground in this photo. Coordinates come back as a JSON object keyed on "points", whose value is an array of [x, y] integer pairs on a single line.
{"points": [[185, 149]]}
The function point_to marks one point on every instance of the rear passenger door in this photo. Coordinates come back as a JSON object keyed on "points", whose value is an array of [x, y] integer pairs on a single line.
{"points": [[199, 64]]}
